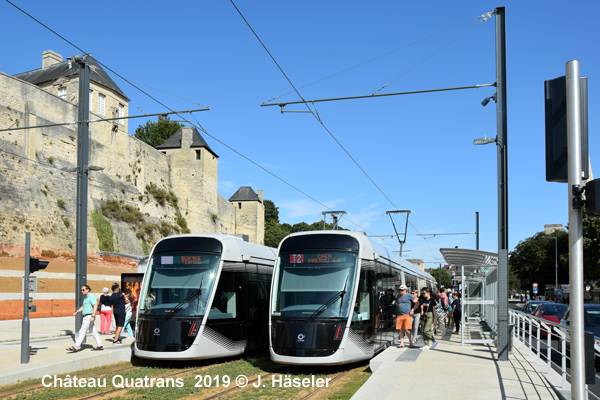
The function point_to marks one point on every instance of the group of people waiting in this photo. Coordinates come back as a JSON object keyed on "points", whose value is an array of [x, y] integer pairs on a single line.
{"points": [[413, 310], [116, 303]]}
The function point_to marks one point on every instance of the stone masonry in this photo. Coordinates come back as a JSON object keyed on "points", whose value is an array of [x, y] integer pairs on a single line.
{"points": [[36, 196]]}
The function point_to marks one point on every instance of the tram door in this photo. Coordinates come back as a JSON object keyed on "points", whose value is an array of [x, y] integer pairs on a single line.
{"points": [[257, 305]]}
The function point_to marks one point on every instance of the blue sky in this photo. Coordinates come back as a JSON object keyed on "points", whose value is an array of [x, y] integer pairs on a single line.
{"points": [[417, 149]]}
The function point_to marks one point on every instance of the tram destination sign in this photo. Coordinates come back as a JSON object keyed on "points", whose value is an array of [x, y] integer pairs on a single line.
{"points": [[184, 260], [318, 258]]}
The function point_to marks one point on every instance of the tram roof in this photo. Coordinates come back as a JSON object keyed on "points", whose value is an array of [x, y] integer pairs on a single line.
{"points": [[414, 269], [235, 248], [469, 257], [369, 246]]}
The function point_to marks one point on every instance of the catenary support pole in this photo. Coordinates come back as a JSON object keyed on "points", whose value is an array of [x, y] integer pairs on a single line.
{"points": [[575, 231], [82, 182], [501, 142], [476, 230], [26, 323]]}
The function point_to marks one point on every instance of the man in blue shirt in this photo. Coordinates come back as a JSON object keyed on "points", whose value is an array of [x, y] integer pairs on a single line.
{"points": [[88, 309], [407, 303]]}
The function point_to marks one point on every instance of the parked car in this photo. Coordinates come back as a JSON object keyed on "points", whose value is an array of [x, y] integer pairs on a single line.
{"points": [[591, 323], [591, 318], [531, 305], [550, 311]]}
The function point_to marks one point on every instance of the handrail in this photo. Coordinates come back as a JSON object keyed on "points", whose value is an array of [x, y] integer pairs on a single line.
{"points": [[523, 331]]}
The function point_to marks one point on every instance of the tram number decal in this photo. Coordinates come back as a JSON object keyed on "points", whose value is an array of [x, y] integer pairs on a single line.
{"points": [[296, 258]]}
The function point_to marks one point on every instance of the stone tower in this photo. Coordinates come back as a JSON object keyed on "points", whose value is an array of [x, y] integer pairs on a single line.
{"points": [[249, 214], [194, 169]]}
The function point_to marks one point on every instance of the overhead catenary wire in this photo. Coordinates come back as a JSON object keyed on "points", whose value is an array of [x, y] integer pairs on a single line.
{"points": [[87, 53], [375, 58], [145, 93], [318, 118], [484, 18], [48, 165]]}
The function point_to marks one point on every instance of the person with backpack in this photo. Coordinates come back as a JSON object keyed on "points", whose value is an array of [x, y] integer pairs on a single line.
{"points": [[457, 311]]}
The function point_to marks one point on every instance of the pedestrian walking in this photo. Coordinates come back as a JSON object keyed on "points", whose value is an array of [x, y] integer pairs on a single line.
{"points": [[406, 306], [105, 312], [128, 313], [443, 298], [429, 317], [416, 317], [118, 301], [457, 313], [450, 323], [88, 309]]}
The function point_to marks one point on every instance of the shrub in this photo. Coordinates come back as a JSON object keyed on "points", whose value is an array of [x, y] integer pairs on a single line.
{"points": [[160, 195], [104, 231]]}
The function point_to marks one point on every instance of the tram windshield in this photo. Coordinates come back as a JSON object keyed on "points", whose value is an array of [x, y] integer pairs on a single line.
{"points": [[314, 285], [178, 284]]}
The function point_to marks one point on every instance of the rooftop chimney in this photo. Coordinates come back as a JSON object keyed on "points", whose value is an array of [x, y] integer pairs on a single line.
{"points": [[49, 58]]}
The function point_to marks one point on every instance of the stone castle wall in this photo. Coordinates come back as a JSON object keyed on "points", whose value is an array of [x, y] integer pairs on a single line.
{"points": [[36, 196]]}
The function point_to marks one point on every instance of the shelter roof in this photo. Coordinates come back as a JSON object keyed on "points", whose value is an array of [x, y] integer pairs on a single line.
{"points": [[469, 257]]}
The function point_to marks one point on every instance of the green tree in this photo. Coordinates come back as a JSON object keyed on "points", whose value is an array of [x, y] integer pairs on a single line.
{"points": [[533, 260], [155, 133], [271, 212], [276, 231], [446, 278], [591, 248]]}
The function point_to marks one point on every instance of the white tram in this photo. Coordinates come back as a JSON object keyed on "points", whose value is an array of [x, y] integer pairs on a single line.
{"points": [[326, 305], [204, 296]]}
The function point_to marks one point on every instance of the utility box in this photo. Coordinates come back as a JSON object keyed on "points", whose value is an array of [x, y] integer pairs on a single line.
{"points": [[590, 358], [592, 198], [556, 130]]}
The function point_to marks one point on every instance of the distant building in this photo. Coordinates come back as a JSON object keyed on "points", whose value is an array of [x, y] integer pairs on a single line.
{"points": [[61, 78], [550, 228]]}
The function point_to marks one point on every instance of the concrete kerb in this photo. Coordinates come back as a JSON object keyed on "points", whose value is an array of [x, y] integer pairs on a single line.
{"points": [[554, 379], [67, 364]]}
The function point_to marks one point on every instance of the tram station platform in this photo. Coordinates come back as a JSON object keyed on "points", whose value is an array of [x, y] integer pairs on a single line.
{"points": [[466, 372], [49, 339]]}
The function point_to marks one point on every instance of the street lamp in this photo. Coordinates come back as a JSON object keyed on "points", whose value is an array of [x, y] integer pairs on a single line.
{"points": [[484, 140], [502, 330]]}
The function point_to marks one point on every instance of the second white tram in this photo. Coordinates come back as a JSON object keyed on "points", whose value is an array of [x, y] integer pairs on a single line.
{"points": [[326, 298]]}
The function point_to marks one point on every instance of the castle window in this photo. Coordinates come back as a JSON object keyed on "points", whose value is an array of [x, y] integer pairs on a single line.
{"points": [[121, 112], [91, 97], [62, 93], [240, 206], [197, 154], [101, 103]]}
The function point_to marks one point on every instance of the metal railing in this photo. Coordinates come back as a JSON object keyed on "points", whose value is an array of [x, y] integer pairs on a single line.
{"points": [[549, 342]]}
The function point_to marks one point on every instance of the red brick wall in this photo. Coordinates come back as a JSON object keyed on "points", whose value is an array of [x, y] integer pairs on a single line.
{"points": [[13, 309]]}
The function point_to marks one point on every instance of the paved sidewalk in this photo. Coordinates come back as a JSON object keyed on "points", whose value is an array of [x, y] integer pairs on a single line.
{"points": [[48, 355], [467, 372]]}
